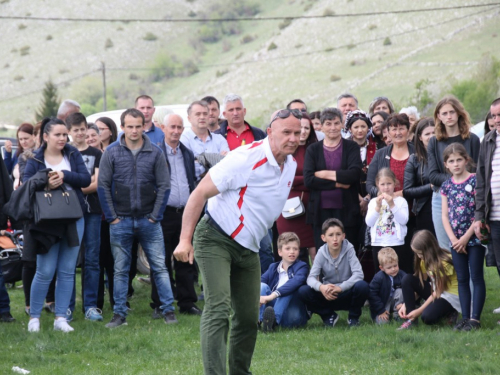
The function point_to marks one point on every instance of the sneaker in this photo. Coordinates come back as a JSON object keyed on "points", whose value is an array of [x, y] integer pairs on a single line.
{"points": [[50, 307], [170, 318], [6, 317], [268, 319], [27, 311], [157, 314], [460, 325], [94, 314], [69, 315], [34, 325], [61, 324], [496, 311], [331, 321], [191, 311], [406, 325], [144, 280], [353, 322], [116, 321], [451, 319], [471, 325]]}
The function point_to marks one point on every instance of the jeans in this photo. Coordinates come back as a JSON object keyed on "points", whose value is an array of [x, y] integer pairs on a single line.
{"points": [[473, 261], [351, 300], [290, 311], [91, 270], [266, 251], [231, 281], [62, 258], [150, 236], [442, 237], [4, 296]]}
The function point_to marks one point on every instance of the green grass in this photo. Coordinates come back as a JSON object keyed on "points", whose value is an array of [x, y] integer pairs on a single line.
{"points": [[149, 346]]}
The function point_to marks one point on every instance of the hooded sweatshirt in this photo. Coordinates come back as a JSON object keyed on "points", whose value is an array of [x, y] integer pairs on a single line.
{"points": [[344, 271]]}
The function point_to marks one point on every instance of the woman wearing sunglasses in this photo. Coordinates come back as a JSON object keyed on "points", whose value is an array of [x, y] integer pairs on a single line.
{"points": [[332, 169]]}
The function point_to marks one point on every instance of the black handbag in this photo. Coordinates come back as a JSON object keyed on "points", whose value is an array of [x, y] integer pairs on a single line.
{"points": [[57, 205]]}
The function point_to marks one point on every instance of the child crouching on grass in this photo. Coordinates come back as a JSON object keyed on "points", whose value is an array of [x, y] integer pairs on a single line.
{"points": [[342, 287], [386, 296], [279, 300]]}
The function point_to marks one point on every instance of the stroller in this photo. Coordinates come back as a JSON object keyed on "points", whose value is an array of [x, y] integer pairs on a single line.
{"points": [[11, 253]]}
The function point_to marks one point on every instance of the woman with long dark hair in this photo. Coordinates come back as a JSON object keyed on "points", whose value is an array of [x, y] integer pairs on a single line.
{"points": [[68, 169], [416, 179], [25, 142], [107, 131]]}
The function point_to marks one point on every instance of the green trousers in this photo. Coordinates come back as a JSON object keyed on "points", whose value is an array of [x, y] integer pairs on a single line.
{"points": [[231, 279]]}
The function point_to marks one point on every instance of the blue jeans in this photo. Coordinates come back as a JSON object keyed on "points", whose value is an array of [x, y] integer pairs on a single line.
{"points": [[150, 237], [92, 242], [442, 237], [266, 251], [4, 296], [473, 261], [62, 258], [290, 310]]}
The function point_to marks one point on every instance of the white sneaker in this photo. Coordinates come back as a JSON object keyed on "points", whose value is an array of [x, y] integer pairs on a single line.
{"points": [[60, 324], [34, 325], [496, 311]]}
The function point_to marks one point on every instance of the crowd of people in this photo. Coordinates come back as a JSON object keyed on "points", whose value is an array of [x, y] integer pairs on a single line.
{"points": [[330, 209]]}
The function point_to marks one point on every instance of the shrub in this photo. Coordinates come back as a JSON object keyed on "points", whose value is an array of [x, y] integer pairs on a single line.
{"points": [[119, 28], [335, 78], [62, 71], [226, 46], [24, 50], [210, 33], [285, 24], [108, 44], [387, 41], [351, 46], [328, 12], [150, 37], [247, 39], [21, 26], [48, 37], [133, 77], [272, 46], [372, 27], [307, 7], [239, 56], [6, 65], [18, 78], [220, 73], [192, 14]]}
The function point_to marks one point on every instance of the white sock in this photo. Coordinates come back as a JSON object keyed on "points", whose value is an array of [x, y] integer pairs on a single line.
{"points": [[34, 325], [60, 324]]}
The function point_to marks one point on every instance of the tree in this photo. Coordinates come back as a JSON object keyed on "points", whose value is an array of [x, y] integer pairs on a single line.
{"points": [[50, 101]]}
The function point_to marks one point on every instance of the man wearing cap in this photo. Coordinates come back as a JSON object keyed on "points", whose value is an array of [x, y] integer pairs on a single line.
{"points": [[226, 240]]}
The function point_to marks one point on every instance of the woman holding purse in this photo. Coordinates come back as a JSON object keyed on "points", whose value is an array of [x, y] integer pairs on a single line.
{"points": [[68, 169]]}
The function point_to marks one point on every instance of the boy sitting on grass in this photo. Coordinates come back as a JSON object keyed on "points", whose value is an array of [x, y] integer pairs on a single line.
{"points": [[279, 301], [386, 295], [343, 287]]}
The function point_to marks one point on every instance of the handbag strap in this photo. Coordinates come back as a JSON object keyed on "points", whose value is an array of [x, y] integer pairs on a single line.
{"points": [[302, 195]]}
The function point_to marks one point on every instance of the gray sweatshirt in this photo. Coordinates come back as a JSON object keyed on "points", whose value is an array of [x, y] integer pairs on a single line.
{"points": [[344, 271]]}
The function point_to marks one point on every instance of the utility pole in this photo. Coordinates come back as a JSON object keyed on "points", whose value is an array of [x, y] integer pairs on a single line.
{"points": [[104, 104]]}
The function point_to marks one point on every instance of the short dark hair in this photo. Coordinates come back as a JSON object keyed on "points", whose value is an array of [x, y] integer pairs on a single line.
{"points": [[330, 114], [296, 101], [135, 113], [396, 119], [144, 97], [315, 115], [75, 119], [197, 102], [210, 100], [329, 223]]}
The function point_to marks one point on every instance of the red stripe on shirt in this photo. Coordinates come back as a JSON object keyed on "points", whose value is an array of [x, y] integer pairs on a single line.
{"points": [[258, 164], [242, 193], [255, 144], [237, 231]]}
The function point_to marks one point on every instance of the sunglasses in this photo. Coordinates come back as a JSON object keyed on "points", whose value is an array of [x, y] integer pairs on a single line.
{"points": [[285, 113]]}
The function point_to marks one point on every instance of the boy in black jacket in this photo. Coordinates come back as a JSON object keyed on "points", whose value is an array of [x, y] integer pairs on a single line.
{"points": [[386, 296], [279, 300]]}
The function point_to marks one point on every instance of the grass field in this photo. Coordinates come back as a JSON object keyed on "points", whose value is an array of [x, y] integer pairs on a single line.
{"points": [[149, 346]]}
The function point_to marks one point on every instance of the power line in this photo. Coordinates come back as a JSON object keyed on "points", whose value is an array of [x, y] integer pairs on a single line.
{"points": [[324, 50], [281, 18], [55, 84]]}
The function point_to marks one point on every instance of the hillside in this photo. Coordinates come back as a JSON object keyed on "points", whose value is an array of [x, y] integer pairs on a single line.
{"points": [[314, 59]]}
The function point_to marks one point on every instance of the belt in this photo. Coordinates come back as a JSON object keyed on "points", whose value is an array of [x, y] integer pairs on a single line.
{"points": [[178, 210], [216, 226]]}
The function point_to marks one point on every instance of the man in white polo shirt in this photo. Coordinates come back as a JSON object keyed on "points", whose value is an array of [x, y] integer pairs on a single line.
{"points": [[246, 193]]}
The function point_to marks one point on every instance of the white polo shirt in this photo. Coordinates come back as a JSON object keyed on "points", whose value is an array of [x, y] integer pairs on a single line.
{"points": [[253, 191]]}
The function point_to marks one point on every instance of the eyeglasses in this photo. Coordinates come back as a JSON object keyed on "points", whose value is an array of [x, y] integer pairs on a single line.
{"points": [[285, 113]]}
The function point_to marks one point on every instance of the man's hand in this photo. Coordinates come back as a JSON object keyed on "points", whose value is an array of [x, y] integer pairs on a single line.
{"points": [[116, 221], [384, 316], [184, 252]]}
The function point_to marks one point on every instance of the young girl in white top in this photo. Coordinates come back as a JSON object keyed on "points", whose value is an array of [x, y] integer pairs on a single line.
{"points": [[387, 216]]}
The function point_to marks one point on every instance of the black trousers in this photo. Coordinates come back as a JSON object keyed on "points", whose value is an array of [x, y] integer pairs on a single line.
{"points": [[183, 285], [424, 218], [433, 313], [107, 265]]}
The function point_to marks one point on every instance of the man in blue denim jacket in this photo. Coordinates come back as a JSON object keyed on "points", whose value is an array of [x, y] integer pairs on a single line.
{"points": [[133, 188]]}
